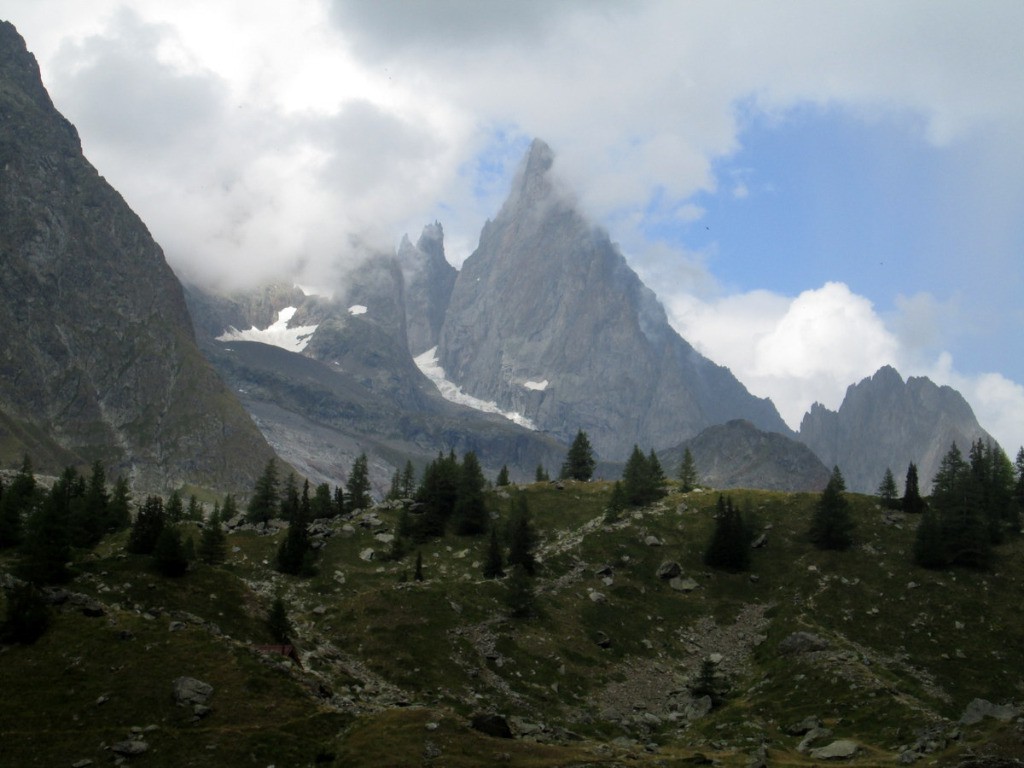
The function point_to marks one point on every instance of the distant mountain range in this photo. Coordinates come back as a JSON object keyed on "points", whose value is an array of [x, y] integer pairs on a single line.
{"points": [[544, 331]]}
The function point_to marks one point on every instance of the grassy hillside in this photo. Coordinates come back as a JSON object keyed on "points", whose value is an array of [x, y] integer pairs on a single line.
{"points": [[394, 670]]}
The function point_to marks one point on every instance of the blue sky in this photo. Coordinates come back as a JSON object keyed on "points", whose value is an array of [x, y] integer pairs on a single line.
{"points": [[812, 189]]}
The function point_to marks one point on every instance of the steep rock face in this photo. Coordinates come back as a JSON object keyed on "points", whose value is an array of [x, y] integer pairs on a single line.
{"points": [[884, 422], [547, 319], [97, 356], [739, 455], [428, 279], [354, 388]]}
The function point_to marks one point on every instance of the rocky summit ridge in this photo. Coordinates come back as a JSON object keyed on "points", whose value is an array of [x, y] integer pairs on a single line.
{"points": [[547, 319], [886, 422], [97, 358]]}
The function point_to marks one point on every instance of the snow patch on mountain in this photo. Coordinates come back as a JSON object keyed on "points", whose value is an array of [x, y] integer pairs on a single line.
{"points": [[357, 309], [536, 386], [278, 334], [431, 368]]}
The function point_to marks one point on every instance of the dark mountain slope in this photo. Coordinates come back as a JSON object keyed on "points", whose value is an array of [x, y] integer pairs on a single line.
{"points": [[97, 356], [739, 455]]}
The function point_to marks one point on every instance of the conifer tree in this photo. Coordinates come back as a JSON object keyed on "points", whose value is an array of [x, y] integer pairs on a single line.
{"points": [[119, 514], [17, 503], [278, 624], [617, 503], [289, 508], [295, 555], [263, 505], [358, 485], [579, 462], [395, 489], [321, 505], [643, 479], [912, 503], [502, 479], [27, 616], [90, 518], [408, 480], [541, 475], [149, 522], [213, 543], [929, 548], [961, 523], [729, 546], [521, 537], [340, 507], [493, 566], [437, 494], [470, 511], [169, 553], [832, 524], [418, 572], [230, 509], [174, 509], [888, 495], [688, 477], [520, 598], [194, 510], [46, 547]]}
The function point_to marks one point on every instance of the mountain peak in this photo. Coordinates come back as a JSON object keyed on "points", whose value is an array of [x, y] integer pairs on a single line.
{"points": [[532, 184]]}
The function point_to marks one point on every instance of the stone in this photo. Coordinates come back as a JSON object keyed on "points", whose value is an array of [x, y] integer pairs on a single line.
{"points": [[802, 642], [652, 541], [598, 597], [806, 725], [909, 757], [189, 690], [680, 584], [669, 569], [760, 542], [366, 555], [758, 758], [979, 709], [841, 749], [491, 725], [130, 747], [813, 735]]}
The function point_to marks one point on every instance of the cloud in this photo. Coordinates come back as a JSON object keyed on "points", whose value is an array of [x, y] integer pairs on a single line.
{"points": [[796, 351], [810, 348]]}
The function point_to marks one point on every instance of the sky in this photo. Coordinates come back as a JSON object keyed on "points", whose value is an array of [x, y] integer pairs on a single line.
{"points": [[813, 189]]}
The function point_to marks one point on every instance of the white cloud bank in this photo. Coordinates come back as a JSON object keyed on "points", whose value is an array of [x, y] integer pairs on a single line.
{"points": [[810, 348]]}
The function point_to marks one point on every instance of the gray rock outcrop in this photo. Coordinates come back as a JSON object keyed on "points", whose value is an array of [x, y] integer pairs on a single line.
{"points": [[547, 319], [884, 422], [97, 359]]}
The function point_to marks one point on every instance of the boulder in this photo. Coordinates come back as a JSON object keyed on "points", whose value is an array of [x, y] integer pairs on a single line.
{"points": [[802, 642], [841, 749], [979, 709], [189, 690], [130, 747], [680, 584], [669, 569], [813, 735], [491, 725], [805, 726]]}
